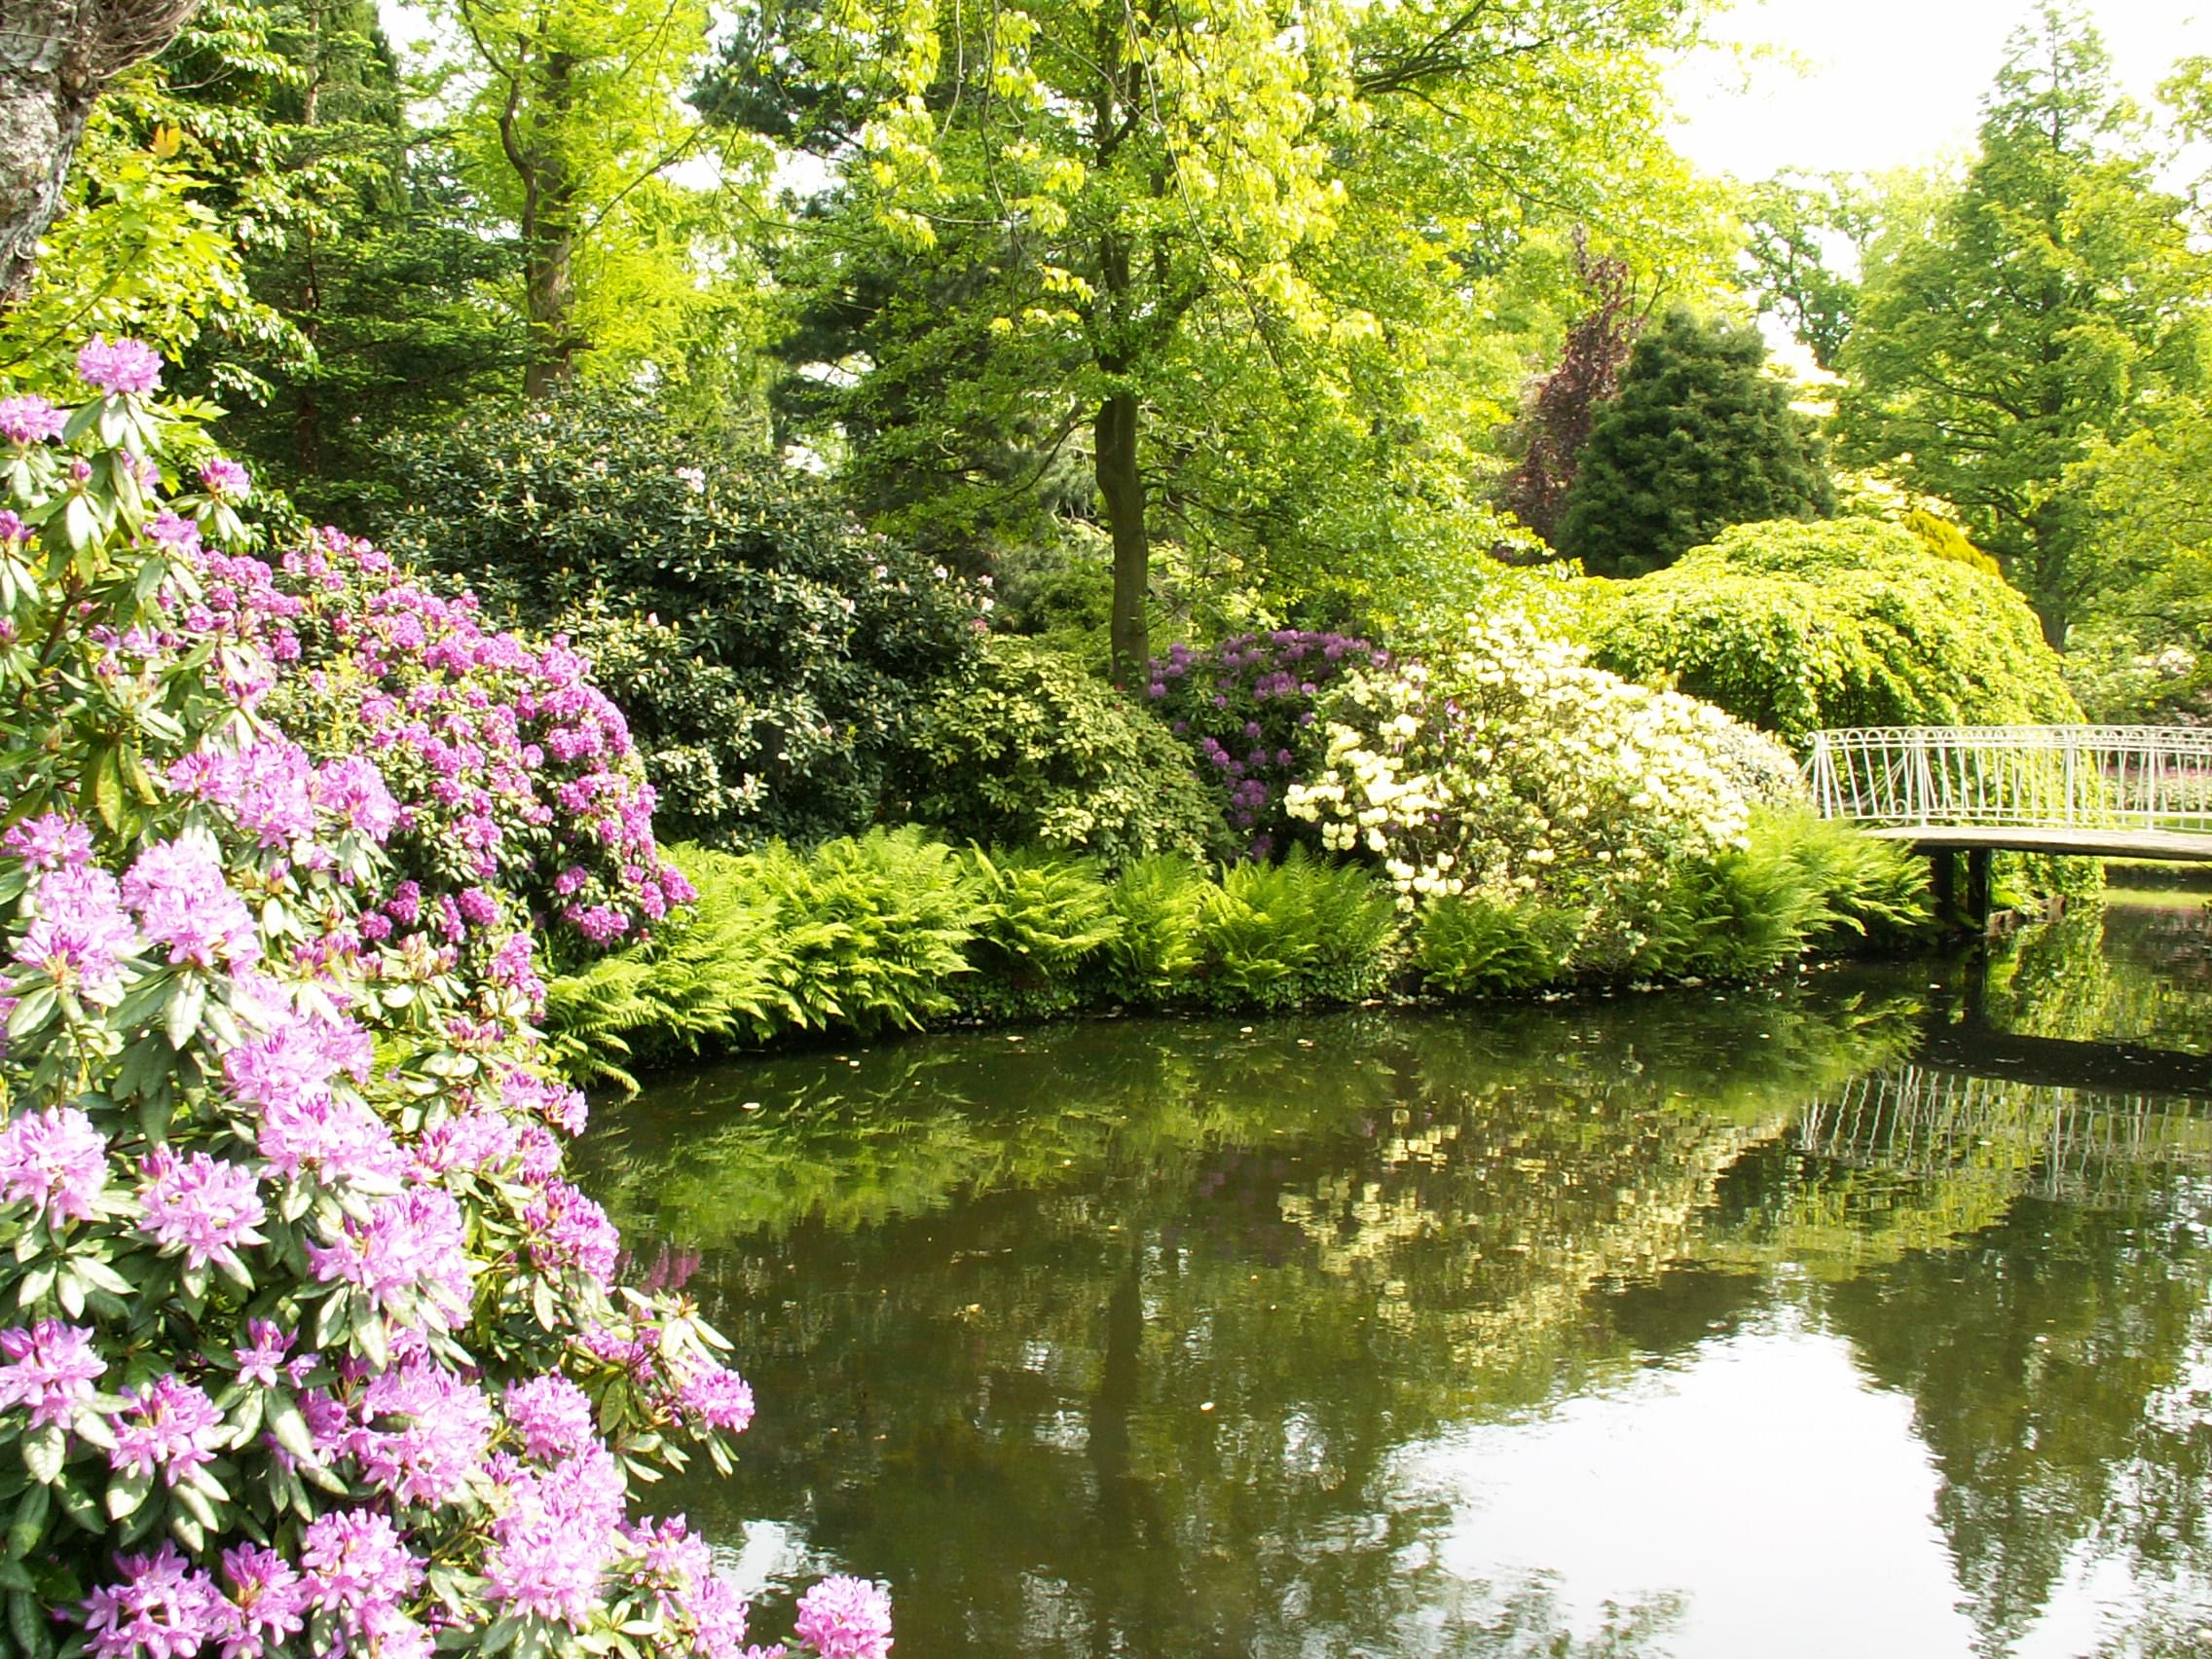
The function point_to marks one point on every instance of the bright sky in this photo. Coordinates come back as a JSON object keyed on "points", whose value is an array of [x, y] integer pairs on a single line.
{"points": [[1888, 83]]}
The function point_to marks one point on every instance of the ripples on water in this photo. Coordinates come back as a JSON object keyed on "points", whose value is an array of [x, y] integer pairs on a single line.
{"points": [[1852, 1320]]}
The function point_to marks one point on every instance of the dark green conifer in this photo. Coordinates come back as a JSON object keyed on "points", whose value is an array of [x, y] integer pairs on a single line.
{"points": [[1700, 438]]}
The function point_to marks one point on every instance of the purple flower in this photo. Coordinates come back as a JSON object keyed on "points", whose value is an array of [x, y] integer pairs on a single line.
{"points": [[55, 1162], [570, 1230], [164, 1608], [269, 1602], [355, 1563], [845, 1618], [553, 1415], [436, 1430], [204, 1207], [265, 1350], [122, 367], [268, 787], [168, 1426], [182, 900], [79, 933], [52, 1369], [352, 791], [31, 420], [410, 1248], [555, 1534], [718, 1397], [224, 479]]}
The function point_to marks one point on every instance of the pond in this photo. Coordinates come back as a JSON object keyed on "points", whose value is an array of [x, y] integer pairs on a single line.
{"points": [[1867, 1314]]}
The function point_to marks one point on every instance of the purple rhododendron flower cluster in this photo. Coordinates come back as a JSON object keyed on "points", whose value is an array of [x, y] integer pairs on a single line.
{"points": [[313, 1350], [1246, 707]]}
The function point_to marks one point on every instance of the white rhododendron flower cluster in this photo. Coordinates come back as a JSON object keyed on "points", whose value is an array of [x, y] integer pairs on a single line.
{"points": [[1513, 768]]}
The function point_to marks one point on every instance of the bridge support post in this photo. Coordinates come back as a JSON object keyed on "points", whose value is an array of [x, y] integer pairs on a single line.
{"points": [[1943, 885], [1977, 887]]}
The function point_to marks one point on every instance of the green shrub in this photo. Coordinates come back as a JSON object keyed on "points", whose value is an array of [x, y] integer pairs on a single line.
{"points": [[1470, 945], [879, 927], [1802, 883], [1700, 438], [1044, 919], [1276, 935], [768, 654], [1025, 747], [1155, 953], [1796, 627], [719, 973]]}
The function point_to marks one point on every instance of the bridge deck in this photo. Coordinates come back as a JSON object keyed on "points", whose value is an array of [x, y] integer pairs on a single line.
{"points": [[2172, 846]]}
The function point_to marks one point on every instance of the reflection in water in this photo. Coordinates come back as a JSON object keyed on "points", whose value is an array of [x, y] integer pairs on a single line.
{"points": [[1684, 1325]]}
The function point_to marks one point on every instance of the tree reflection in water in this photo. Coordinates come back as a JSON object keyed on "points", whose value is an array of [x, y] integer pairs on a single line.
{"points": [[1110, 1339]]}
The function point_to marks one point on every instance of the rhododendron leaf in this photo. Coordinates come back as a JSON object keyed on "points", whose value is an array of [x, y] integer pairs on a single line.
{"points": [[288, 1427], [70, 1293], [188, 1529], [80, 523], [35, 1284], [45, 1448], [186, 1002], [105, 779], [29, 1524], [35, 1008], [26, 1623], [189, 1495]]}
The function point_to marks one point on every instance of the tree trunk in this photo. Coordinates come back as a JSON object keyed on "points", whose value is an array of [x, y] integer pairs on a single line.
{"points": [[1121, 489], [55, 57], [549, 245]]}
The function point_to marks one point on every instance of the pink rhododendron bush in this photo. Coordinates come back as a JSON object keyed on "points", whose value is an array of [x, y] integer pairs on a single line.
{"points": [[306, 1346]]}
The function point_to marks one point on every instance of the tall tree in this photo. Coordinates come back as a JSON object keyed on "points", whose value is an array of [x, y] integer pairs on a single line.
{"points": [[1700, 438], [2054, 299], [1563, 405], [575, 130], [1188, 241]]}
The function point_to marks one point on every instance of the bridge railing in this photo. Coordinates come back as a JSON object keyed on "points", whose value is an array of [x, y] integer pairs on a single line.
{"points": [[2016, 776]]}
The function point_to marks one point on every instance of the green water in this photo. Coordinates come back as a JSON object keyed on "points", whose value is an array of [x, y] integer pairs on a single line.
{"points": [[1690, 1324]]}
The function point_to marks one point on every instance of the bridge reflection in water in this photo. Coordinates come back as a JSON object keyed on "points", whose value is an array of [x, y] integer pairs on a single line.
{"points": [[2079, 1145]]}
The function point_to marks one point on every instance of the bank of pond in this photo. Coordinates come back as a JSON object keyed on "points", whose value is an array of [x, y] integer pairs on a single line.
{"points": [[899, 929], [1706, 1323]]}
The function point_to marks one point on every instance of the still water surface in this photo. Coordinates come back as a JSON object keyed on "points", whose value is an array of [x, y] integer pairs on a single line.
{"points": [[1846, 1320]]}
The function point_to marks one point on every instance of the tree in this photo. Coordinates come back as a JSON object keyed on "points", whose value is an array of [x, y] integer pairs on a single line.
{"points": [[1700, 438], [56, 56], [1187, 245], [573, 126], [2055, 296], [1564, 405]]}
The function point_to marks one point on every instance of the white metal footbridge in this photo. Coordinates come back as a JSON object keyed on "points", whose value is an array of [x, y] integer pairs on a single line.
{"points": [[2103, 792]]}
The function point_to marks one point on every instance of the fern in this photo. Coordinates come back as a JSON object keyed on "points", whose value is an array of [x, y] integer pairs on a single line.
{"points": [[1273, 936], [1154, 951], [1046, 917]]}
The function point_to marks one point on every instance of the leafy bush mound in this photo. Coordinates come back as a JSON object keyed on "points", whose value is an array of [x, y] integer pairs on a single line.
{"points": [[314, 1349], [769, 655], [1514, 769], [1247, 708], [1025, 747], [1796, 627]]}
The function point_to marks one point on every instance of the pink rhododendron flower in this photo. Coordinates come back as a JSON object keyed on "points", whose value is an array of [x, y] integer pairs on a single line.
{"points": [[162, 1609], [554, 1415], [201, 1206], [119, 366], [224, 480], [168, 1426], [184, 902], [51, 1368], [31, 420], [79, 933], [845, 1618], [54, 1161]]}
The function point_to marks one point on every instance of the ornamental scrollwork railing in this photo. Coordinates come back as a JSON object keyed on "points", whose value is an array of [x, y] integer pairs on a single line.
{"points": [[2084, 777]]}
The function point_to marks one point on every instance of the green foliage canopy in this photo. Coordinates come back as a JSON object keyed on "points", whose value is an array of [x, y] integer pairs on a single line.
{"points": [[769, 655], [1795, 627], [2054, 300], [1700, 438]]}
